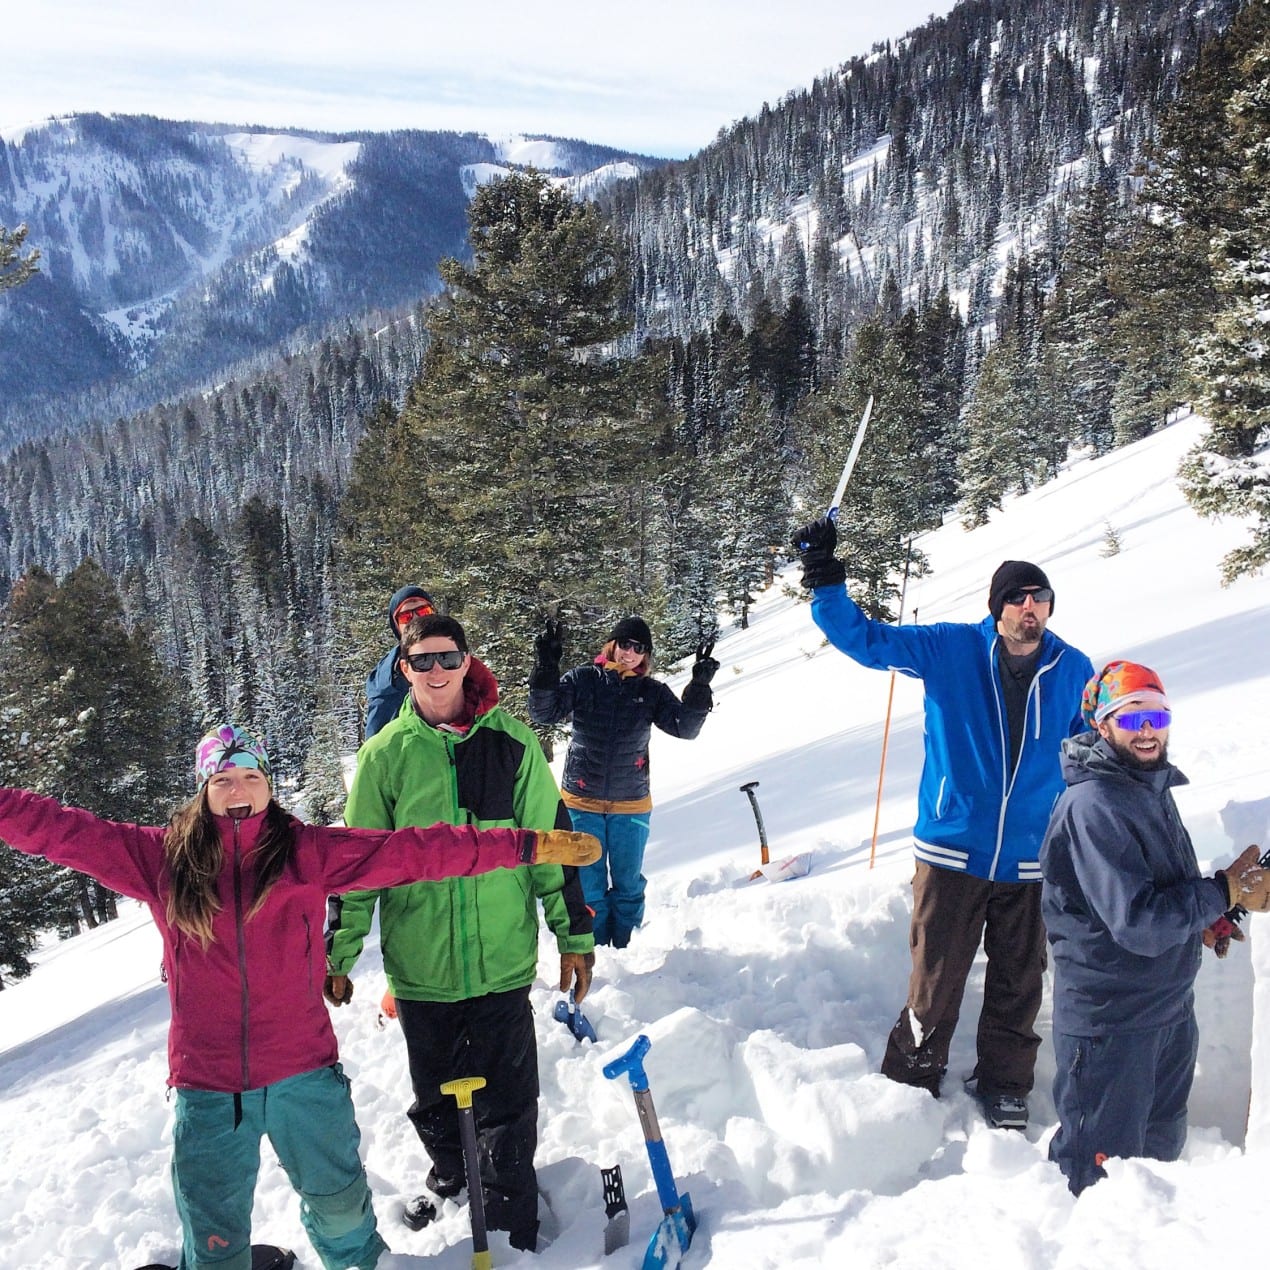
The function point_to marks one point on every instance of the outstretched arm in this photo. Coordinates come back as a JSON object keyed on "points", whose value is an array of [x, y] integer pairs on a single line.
{"points": [[365, 859], [126, 858]]}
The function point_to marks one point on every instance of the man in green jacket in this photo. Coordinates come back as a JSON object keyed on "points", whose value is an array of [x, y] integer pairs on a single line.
{"points": [[460, 955]]}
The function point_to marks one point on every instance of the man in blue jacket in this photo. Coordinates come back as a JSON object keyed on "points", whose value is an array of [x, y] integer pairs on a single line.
{"points": [[1001, 695], [1126, 909], [386, 686]]}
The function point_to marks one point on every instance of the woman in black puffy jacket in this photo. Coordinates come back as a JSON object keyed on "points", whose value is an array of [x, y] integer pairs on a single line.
{"points": [[614, 703]]}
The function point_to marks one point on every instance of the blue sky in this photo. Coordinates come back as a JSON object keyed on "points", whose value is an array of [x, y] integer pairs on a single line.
{"points": [[660, 77]]}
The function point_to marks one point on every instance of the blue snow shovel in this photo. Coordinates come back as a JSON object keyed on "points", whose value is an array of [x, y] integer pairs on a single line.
{"points": [[567, 1012], [671, 1238]]}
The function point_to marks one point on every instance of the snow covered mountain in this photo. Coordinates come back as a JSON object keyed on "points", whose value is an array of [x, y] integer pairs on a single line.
{"points": [[767, 1005], [170, 250]]}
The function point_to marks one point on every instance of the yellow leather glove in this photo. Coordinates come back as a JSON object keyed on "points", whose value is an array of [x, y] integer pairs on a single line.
{"points": [[566, 846], [575, 972], [1247, 883]]}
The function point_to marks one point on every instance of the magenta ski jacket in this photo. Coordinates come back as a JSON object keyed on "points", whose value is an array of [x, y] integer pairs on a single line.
{"points": [[248, 1011]]}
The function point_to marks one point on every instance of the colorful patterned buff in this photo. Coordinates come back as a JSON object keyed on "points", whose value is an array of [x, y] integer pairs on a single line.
{"points": [[228, 746], [1116, 683]]}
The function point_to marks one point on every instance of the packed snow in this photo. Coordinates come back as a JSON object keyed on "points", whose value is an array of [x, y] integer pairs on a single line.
{"points": [[767, 1004]]}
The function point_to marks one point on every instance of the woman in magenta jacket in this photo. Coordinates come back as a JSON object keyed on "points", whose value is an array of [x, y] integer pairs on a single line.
{"points": [[238, 888]]}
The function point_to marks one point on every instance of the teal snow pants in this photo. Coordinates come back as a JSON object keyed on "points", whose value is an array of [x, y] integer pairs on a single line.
{"points": [[614, 885], [216, 1156]]}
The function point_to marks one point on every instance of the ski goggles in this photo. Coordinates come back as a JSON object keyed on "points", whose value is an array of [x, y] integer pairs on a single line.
{"points": [[1018, 597], [632, 646], [448, 659], [1132, 720]]}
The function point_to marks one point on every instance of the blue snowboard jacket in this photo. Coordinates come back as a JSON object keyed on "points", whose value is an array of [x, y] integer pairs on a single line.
{"points": [[386, 686], [974, 814]]}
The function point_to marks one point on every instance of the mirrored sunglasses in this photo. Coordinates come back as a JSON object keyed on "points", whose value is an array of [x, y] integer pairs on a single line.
{"points": [[1132, 720], [632, 646], [1040, 595], [413, 608], [449, 659]]}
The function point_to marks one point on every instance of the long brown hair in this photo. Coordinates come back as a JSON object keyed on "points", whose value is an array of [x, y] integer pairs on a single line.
{"points": [[195, 857]]}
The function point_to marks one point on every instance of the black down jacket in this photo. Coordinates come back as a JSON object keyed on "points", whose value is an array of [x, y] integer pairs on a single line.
{"points": [[613, 715]]}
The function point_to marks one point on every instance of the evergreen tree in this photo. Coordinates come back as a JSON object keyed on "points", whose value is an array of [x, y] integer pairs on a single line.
{"points": [[1160, 281], [749, 506], [998, 453], [15, 269], [118, 738], [523, 439], [1082, 314], [887, 500], [1225, 476], [40, 727]]}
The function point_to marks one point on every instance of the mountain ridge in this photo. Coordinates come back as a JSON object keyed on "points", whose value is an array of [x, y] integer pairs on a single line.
{"points": [[171, 250]]}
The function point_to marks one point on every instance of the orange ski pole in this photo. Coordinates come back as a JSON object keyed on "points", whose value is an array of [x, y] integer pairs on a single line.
{"points": [[890, 698], [886, 736]]}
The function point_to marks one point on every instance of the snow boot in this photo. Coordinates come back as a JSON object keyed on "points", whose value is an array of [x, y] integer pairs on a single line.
{"points": [[422, 1210], [263, 1257]]}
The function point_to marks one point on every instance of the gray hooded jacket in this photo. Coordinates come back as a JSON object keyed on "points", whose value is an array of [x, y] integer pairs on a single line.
{"points": [[1122, 896]]}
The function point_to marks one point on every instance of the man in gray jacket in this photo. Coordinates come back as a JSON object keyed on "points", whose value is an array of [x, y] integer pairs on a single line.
{"points": [[1125, 908]]}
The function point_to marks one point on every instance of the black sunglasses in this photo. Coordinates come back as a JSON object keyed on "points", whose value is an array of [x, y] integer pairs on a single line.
{"points": [[449, 659], [1040, 595], [632, 646]]}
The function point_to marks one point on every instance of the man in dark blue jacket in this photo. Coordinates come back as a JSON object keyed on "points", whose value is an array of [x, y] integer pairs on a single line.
{"points": [[1126, 908], [1001, 695], [386, 689], [386, 686]]}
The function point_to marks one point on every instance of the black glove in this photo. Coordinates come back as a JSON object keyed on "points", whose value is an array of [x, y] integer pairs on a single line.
{"points": [[814, 544], [549, 646], [548, 649], [705, 667]]}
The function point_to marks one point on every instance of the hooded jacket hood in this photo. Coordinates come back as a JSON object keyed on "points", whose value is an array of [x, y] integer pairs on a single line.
{"points": [[1086, 757], [398, 598]]}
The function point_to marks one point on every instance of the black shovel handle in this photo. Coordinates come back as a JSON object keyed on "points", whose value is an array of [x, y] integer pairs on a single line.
{"points": [[462, 1090]]}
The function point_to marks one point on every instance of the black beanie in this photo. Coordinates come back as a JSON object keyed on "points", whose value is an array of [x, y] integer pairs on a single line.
{"points": [[633, 628], [1011, 575]]}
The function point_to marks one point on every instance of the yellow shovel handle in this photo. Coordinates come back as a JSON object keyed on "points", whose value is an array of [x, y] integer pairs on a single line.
{"points": [[463, 1089]]}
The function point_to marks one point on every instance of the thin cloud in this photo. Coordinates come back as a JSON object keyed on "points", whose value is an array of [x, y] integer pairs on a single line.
{"points": [[660, 77]]}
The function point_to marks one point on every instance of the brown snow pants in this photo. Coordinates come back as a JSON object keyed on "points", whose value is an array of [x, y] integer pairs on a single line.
{"points": [[952, 911]]}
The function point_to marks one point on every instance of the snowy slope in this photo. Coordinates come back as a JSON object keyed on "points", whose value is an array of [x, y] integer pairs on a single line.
{"points": [[768, 1005]]}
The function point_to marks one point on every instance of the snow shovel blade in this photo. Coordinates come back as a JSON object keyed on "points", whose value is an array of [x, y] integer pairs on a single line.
{"points": [[567, 1012], [617, 1232], [670, 1240], [794, 866], [674, 1232]]}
